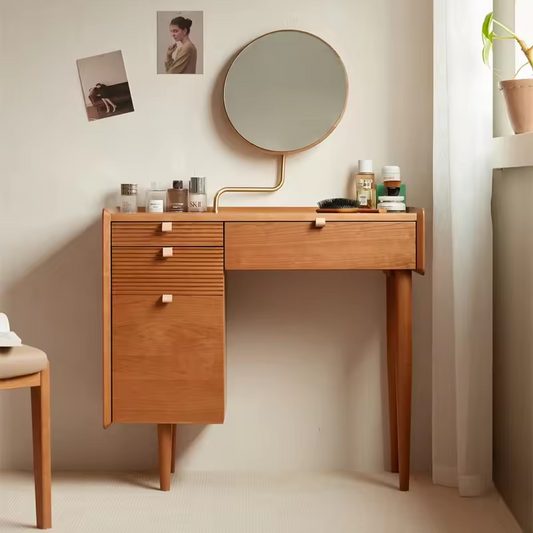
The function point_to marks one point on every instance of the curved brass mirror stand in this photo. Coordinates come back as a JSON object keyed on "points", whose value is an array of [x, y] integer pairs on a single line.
{"points": [[284, 93]]}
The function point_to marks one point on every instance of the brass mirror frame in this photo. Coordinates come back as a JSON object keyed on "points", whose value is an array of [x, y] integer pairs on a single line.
{"points": [[283, 159]]}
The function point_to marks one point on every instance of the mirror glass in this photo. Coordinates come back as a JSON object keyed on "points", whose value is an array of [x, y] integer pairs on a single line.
{"points": [[286, 91]]}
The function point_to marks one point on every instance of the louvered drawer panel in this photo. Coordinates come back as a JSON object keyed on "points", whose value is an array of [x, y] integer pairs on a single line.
{"points": [[188, 271], [167, 234]]}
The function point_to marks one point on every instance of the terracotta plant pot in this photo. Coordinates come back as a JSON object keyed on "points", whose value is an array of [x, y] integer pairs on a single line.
{"points": [[519, 99]]}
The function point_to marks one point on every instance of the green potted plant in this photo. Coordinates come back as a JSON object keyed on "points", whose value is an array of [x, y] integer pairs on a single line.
{"points": [[518, 93]]}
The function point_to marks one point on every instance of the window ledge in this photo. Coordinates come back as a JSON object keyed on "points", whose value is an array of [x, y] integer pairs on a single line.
{"points": [[513, 151]]}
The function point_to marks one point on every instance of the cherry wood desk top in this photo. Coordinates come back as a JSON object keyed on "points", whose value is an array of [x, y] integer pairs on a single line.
{"points": [[266, 214]]}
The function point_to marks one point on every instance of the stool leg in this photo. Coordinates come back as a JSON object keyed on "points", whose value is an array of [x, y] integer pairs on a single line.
{"points": [[173, 459], [42, 467], [164, 433]]}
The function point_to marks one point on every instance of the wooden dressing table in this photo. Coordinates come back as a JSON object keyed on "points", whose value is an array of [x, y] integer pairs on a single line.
{"points": [[164, 307]]}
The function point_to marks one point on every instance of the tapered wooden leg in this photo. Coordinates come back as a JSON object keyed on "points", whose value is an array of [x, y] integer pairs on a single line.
{"points": [[173, 458], [42, 464], [403, 280], [164, 433], [392, 347]]}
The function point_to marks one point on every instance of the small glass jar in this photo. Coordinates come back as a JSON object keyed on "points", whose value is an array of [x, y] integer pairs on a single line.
{"points": [[128, 198], [156, 199], [392, 204]]}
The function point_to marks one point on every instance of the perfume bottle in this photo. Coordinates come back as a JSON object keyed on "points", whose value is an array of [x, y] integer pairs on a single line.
{"points": [[177, 198], [128, 198], [197, 196], [156, 198], [365, 194], [366, 184]]}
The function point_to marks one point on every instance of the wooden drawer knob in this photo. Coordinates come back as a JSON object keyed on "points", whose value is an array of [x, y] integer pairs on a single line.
{"points": [[320, 222], [166, 226], [168, 252], [166, 298]]}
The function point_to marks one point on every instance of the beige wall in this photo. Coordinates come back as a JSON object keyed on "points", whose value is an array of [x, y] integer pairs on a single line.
{"points": [[513, 343], [306, 352]]}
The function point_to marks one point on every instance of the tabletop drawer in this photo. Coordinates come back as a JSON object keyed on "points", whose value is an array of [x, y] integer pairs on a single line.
{"points": [[336, 246], [167, 234], [167, 270]]}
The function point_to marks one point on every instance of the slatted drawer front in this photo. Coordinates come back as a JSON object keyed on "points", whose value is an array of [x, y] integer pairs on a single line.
{"points": [[167, 234], [188, 271]]}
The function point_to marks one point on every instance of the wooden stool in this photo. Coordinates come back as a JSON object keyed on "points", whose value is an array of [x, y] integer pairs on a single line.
{"points": [[21, 367]]}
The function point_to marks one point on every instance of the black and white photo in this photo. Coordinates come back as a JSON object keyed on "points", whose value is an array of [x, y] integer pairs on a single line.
{"points": [[105, 85]]}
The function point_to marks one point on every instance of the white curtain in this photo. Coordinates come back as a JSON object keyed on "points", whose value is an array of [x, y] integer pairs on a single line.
{"points": [[462, 239]]}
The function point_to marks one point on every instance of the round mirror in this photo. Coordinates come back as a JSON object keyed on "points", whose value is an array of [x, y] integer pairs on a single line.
{"points": [[286, 91]]}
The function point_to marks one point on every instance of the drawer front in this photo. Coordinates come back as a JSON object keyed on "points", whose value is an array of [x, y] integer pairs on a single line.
{"points": [[168, 360], [137, 270], [177, 234], [336, 246]]}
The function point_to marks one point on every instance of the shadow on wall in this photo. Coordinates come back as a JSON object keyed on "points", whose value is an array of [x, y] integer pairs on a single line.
{"points": [[513, 344], [306, 390], [56, 306]]}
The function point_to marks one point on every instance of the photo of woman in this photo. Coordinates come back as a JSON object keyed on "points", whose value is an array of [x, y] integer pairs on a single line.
{"points": [[105, 86], [180, 42], [185, 60], [101, 91]]}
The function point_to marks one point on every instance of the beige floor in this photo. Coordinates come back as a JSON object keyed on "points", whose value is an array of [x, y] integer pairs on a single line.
{"points": [[235, 503]]}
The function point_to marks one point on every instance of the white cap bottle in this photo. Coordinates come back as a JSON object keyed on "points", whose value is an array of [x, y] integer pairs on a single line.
{"points": [[366, 166]]}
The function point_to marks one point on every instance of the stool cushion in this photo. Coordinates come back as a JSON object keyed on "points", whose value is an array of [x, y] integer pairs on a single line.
{"points": [[21, 361]]}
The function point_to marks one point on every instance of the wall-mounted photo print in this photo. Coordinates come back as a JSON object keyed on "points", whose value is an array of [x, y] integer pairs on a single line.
{"points": [[105, 86], [180, 42]]}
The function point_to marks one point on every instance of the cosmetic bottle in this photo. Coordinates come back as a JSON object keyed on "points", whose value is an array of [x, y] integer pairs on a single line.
{"points": [[197, 196], [392, 180], [392, 204], [366, 185], [365, 194], [156, 198], [177, 198], [128, 198]]}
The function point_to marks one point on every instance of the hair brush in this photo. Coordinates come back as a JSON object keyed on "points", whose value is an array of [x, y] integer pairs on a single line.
{"points": [[338, 205], [342, 205]]}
